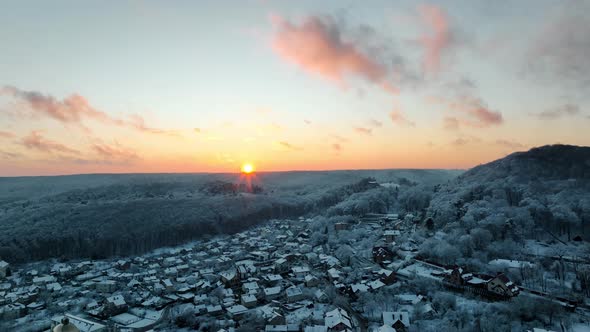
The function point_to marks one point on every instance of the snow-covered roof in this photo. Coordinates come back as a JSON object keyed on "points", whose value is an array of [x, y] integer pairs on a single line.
{"points": [[390, 318], [336, 317]]}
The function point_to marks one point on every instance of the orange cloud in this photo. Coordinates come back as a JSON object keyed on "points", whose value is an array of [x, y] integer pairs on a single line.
{"points": [[318, 47]]}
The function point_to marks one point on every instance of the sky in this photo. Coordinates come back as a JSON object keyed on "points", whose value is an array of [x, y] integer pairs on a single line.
{"points": [[206, 86]]}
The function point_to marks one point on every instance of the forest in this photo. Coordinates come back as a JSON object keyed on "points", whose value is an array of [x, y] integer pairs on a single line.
{"points": [[99, 216]]}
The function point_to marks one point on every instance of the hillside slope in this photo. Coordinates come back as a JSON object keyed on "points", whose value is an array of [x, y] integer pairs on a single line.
{"points": [[546, 190]]}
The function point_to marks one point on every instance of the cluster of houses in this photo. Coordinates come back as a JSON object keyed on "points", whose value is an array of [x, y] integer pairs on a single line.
{"points": [[496, 286], [273, 271]]}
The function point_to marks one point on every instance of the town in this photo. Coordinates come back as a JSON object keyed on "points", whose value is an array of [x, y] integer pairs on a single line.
{"points": [[310, 275]]}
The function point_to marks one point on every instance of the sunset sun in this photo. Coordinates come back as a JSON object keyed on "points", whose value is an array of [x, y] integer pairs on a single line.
{"points": [[247, 168]]}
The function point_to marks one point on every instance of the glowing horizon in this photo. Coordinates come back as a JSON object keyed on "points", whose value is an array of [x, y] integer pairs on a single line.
{"points": [[207, 86]]}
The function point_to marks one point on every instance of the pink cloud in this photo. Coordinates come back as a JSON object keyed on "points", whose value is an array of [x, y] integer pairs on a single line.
{"points": [[317, 46], [6, 134], [75, 109], [474, 114], [439, 38], [35, 141], [397, 117], [114, 152], [336, 147]]}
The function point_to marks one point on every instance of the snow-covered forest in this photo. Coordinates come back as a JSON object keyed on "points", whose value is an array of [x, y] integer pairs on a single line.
{"points": [[98, 216]]}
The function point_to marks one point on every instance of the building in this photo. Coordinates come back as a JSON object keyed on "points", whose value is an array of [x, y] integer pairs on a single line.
{"points": [[391, 235], [382, 254], [338, 320], [399, 320], [294, 294], [249, 300], [71, 323], [4, 269]]}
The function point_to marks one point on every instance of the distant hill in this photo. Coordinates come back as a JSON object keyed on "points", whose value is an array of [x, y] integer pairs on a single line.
{"points": [[107, 215], [549, 162], [544, 189]]}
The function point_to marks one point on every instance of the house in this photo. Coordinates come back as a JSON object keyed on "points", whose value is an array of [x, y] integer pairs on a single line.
{"points": [[214, 310], [272, 293], [115, 305], [281, 265], [320, 296], [123, 264], [4, 269], [382, 254], [82, 324], [409, 299], [259, 255], [375, 284], [315, 328], [300, 271], [386, 276], [338, 320], [272, 279], [106, 286], [311, 281], [250, 287], [237, 311], [334, 274], [399, 320], [391, 235], [249, 300], [502, 286], [341, 226], [230, 277], [385, 328], [294, 294], [12, 311]]}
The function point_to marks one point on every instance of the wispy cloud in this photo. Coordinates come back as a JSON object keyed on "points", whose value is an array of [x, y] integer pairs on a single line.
{"points": [[8, 155], [364, 131], [398, 118], [339, 138], [75, 109], [469, 112], [6, 134], [317, 46], [289, 146], [375, 123], [438, 39], [114, 152], [509, 144], [560, 50], [559, 112], [35, 141], [337, 147], [450, 123]]}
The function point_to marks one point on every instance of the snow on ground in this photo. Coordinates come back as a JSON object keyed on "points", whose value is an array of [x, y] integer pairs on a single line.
{"points": [[580, 327]]}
